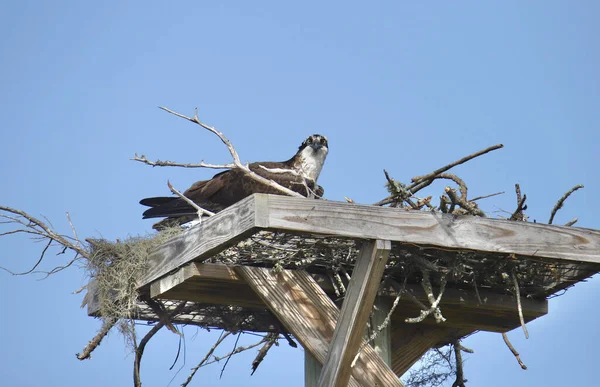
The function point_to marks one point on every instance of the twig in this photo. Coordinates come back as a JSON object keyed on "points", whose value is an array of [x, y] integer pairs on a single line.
{"points": [[454, 164], [34, 226], [230, 355], [419, 179], [139, 349], [571, 222], [460, 376], [513, 350], [236, 158], [167, 163], [73, 228], [433, 301], [237, 350], [486, 196], [518, 215], [210, 352], [269, 340], [201, 211], [561, 201], [519, 307], [95, 342]]}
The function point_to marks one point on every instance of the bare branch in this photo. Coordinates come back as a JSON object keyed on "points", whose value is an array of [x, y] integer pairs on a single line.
{"points": [[210, 352], [486, 196], [201, 211], [561, 201], [513, 350], [269, 340], [234, 155], [571, 222], [139, 350], [95, 342], [167, 163], [433, 301], [519, 307]]}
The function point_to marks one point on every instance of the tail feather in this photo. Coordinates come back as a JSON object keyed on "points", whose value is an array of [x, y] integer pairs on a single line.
{"points": [[157, 201], [166, 207]]}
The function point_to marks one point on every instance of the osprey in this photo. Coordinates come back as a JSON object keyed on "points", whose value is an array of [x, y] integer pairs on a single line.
{"points": [[299, 174]]}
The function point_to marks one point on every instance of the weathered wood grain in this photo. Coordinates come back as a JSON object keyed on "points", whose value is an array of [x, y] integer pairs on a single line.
{"points": [[306, 311], [218, 283], [411, 341], [206, 283], [211, 236], [357, 306], [420, 227]]}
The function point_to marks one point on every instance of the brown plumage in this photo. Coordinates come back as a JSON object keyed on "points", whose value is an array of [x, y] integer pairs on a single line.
{"points": [[231, 186]]}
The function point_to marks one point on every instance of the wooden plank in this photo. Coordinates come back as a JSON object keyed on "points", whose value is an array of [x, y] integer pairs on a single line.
{"points": [[411, 341], [218, 283], [421, 227], [206, 283], [211, 236], [306, 311], [357, 306]]}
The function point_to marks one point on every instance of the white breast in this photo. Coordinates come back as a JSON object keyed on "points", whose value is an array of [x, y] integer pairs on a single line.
{"points": [[311, 162]]}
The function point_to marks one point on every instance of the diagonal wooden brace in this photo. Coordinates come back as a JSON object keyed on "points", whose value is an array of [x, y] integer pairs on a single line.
{"points": [[307, 312], [357, 306]]}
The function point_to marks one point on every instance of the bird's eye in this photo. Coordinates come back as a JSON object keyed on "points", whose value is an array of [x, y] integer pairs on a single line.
{"points": [[323, 141], [309, 140]]}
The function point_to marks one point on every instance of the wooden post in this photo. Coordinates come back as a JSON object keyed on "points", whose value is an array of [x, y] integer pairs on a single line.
{"points": [[382, 344], [310, 315], [358, 303]]}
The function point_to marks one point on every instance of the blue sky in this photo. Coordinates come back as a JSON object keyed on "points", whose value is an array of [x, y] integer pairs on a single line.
{"points": [[399, 85]]}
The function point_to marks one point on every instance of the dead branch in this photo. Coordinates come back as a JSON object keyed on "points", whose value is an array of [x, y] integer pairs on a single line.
{"points": [[167, 163], [237, 350], [237, 164], [513, 350], [420, 179], [519, 307], [28, 224], [486, 196], [518, 214], [460, 376], [433, 301], [208, 354], [95, 342], [164, 316], [571, 222], [269, 340], [201, 211], [139, 348], [561, 201]]}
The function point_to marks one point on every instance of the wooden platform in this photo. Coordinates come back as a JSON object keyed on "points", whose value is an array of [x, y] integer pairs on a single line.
{"points": [[194, 267]]}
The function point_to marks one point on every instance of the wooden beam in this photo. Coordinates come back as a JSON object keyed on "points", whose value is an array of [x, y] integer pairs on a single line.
{"points": [[218, 283], [213, 235], [306, 311], [282, 213], [206, 283], [423, 227], [411, 341], [357, 306]]}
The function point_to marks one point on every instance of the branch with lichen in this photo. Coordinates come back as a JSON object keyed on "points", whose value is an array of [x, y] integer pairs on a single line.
{"points": [[434, 302]]}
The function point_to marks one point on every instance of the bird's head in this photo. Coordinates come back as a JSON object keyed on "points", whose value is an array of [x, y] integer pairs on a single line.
{"points": [[311, 156], [317, 142]]}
